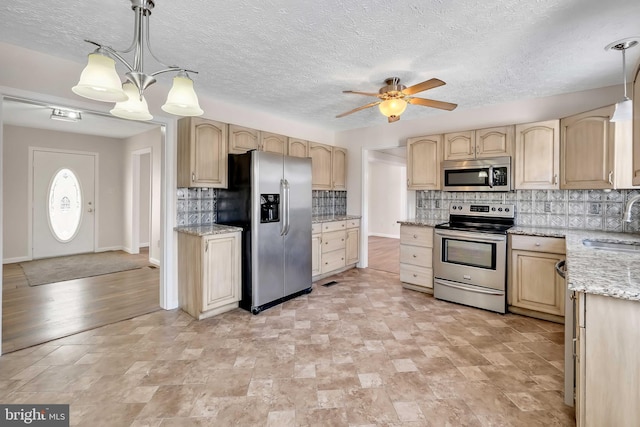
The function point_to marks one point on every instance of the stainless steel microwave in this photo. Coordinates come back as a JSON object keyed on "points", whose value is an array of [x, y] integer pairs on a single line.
{"points": [[491, 174]]}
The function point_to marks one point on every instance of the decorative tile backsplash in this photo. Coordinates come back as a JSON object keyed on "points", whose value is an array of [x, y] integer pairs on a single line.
{"points": [[197, 206], [579, 209]]}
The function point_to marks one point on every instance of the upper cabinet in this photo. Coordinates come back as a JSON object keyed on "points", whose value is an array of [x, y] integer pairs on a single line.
{"points": [[273, 143], [321, 155], [587, 150], [477, 144], [636, 128], [202, 153], [537, 156], [338, 168], [243, 139], [424, 154], [298, 147]]}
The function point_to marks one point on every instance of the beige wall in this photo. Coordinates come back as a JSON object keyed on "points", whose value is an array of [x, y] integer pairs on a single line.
{"points": [[15, 161], [387, 198]]}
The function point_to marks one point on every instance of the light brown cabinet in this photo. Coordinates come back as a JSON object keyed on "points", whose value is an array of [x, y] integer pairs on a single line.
{"points": [[424, 154], [209, 274], [316, 249], [320, 166], [202, 153], [335, 247], [338, 168], [242, 139], [535, 289], [537, 156], [636, 129], [477, 144], [416, 253], [298, 147], [273, 143], [352, 248]]}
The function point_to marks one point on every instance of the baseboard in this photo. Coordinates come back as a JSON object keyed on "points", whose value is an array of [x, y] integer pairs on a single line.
{"points": [[112, 248], [15, 260], [154, 261], [388, 236], [144, 245]]}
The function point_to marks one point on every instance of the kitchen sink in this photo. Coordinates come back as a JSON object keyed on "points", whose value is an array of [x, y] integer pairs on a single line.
{"points": [[612, 246]]}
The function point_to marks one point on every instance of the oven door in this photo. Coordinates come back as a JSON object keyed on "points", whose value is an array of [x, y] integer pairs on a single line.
{"points": [[470, 257]]}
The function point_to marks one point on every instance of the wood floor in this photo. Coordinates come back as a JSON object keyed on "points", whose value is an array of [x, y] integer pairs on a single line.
{"points": [[34, 315], [384, 254]]}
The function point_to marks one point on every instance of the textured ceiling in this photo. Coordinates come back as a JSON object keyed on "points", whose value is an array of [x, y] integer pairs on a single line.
{"points": [[294, 57]]}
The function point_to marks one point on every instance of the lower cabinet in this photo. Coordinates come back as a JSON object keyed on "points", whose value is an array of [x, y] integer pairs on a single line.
{"points": [[535, 288], [416, 258], [335, 247], [209, 273]]}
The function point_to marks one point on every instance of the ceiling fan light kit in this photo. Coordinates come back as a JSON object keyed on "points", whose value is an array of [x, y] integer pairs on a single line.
{"points": [[100, 81], [624, 108], [394, 97]]}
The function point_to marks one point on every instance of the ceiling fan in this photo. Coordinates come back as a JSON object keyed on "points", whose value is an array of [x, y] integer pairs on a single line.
{"points": [[393, 98]]}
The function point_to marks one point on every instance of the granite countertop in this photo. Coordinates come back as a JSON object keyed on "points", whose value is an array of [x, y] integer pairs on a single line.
{"points": [[329, 218], [422, 222], [207, 230], [596, 271]]}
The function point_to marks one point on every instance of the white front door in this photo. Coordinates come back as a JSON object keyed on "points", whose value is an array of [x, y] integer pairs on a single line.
{"points": [[63, 203]]}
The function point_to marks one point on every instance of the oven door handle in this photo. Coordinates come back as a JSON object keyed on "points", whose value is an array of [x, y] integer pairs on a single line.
{"points": [[490, 176], [463, 287], [471, 236]]}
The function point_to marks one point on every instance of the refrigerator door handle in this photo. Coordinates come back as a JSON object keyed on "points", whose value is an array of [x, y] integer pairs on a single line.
{"points": [[283, 208], [287, 190]]}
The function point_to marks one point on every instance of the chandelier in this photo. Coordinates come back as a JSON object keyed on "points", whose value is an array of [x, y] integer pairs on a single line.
{"points": [[100, 81]]}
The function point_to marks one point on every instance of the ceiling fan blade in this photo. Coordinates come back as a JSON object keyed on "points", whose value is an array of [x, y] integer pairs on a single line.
{"points": [[360, 93], [429, 84], [393, 119], [358, 109], [431, 103]]}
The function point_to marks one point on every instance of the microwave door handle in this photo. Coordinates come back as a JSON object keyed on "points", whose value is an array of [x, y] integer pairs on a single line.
{"points": [[473, 236], [491, 176]]}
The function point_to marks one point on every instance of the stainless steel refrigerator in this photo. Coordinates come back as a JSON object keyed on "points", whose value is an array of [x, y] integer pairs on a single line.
{"points": [[269, 196]]}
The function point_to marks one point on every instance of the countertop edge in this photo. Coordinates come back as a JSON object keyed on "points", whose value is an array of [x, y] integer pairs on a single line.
{"points": [[206, 230]]}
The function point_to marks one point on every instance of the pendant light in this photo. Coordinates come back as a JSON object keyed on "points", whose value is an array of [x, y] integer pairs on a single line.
{"points": [[100, 81], [624, 108]]}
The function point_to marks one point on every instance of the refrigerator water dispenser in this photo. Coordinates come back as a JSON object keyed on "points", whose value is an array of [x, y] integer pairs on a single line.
{"points": [[269, 208]]}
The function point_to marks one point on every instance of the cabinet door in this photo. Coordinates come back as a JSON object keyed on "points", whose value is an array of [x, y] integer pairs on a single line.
{"points": [[587, 150], [353, 246], [459, 145], [298, 148], [220, 270], [536, 285], [242, 139], [320, 166], [338, 168], [537, 159], [273, 143], [636, 128], [424, 154], [202, 153], [494, 142], [316, 254]]}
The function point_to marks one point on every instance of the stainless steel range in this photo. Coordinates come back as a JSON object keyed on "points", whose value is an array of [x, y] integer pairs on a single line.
{"points": [[470, 255]]}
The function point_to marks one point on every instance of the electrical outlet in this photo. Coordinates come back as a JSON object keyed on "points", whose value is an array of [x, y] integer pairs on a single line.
{"points": [[547, 206]]}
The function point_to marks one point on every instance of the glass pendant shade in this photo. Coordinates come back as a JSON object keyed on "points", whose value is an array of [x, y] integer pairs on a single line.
{"points": [[182, 99], [393, 107], [99, 80], [623, 111], [135, 107]]}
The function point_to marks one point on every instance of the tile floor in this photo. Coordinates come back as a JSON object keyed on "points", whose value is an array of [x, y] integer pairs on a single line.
{"points": [[362, 352]]}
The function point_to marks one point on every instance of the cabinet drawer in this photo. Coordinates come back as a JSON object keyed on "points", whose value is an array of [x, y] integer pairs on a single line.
{"points": [[421, 276], [332, 261], [334, 226], [316, 228], [538, 244], [333, 241], [417, 236], [415, 255], [353, 223]]}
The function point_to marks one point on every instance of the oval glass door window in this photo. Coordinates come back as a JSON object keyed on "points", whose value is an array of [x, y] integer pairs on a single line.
{"points": [[65, 205]]}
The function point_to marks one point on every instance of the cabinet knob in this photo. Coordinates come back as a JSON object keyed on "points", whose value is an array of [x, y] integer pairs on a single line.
{"points": [[415, 256], [415, 275], [537, 244], [415, 236], [342, 240]]}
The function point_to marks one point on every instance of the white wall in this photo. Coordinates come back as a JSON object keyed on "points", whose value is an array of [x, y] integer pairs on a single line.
{"points": [[387, 198], [395, 134], [145, 200], [15, 160]]}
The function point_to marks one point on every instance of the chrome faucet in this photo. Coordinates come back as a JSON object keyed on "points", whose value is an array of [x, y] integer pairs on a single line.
{"points": [[627, 209]]}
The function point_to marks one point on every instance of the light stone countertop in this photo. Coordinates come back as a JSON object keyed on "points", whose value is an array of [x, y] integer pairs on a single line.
{"points": [[207, 230], [328, 218], [596, 271], [421, 222]]}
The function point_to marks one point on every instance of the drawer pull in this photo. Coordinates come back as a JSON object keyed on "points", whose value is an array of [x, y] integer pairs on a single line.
{"points": [[537, 244], [415, 275], [415, 256], [342, 240], [415, 236]]}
